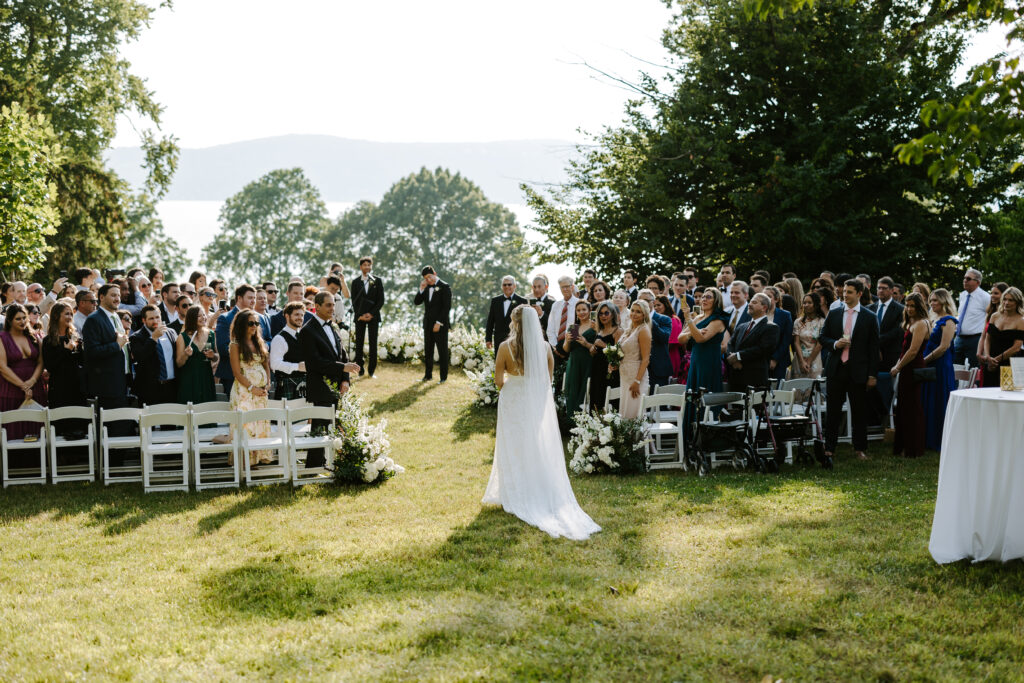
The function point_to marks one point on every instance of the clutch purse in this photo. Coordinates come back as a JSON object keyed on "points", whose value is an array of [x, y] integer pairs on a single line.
{"points": [[924, 374]]}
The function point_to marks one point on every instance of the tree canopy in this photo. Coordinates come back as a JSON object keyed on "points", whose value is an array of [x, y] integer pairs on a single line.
{"points": [[436, 218], [769, 143]]}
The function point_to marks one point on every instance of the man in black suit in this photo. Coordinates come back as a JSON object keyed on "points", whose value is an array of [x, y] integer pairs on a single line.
{"points": [[181, 306], [293, 292], [850, 335], [169, 295], [629, 279], [367, 300], [325, 359], [436, 297], [107, 360], [152, 348], [542, 301], [889, 314], [500, 316], [752, 346]]}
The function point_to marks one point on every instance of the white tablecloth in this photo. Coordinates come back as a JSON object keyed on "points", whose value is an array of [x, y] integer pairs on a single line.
{"points": [[979, 509]]}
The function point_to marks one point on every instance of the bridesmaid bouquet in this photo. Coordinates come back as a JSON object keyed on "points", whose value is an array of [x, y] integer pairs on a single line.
{"points": [[362, 451], [614, 354], [608, 443]]}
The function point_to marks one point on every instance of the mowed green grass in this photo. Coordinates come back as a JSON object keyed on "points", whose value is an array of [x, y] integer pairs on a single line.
{"points": [[803, 576]]}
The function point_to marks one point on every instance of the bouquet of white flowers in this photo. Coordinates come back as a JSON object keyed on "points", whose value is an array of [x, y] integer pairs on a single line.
{"points": [[483, 384], [614, 354], [608, 443], [362, 451]]}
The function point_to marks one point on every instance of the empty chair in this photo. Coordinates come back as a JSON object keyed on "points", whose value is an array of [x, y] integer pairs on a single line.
{"points": [[302, 442], [165, 462], [214, 463], [611, 394], [671, 389], [83, 466], [173, 434], [665, 445], [270, 451], [966, 378], [119, 432], [32, 471]]}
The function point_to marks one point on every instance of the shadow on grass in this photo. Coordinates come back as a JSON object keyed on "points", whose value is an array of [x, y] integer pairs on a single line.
{"points": [[400, 400], [473, 420]]}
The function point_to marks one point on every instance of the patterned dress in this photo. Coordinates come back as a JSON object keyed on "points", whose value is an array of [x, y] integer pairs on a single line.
{"points": [[807, 333], [243, 399]]}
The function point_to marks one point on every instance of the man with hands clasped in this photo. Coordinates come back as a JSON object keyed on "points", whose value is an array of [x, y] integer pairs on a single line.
{"points": [[436, 297], [152, 348]]}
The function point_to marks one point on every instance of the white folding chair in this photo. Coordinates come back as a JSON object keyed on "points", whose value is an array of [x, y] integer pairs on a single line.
{"points": [[215, 465], [305, 441], [129, 470], [80, 471], [611, 394], [662, 433], [277, 443], [23, 475], [164, 460], [210, 405], [965, 379], [168, 435], [671, 389]]}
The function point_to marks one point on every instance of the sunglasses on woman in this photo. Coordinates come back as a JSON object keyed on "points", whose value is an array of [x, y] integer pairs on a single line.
{"points": [[253, 323]]}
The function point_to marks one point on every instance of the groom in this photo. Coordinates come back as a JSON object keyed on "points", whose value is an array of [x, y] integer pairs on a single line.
{"points": [[436, 297]]}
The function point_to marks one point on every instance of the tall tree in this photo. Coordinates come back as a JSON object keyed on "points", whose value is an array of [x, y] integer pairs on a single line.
{"points": [[441, 219], [147, 245], [770, 144], [271, 229], [60, 58]]}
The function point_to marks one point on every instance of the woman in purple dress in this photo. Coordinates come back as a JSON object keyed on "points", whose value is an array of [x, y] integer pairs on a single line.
{"points": [[909, 414], [21, 368]]}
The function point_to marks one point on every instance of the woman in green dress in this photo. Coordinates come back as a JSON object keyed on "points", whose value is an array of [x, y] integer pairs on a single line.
{"points": [[578, 342], [196, 355]]}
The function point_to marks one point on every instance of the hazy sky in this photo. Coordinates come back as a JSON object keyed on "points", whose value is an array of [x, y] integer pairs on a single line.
{"points": [[452, 70]]}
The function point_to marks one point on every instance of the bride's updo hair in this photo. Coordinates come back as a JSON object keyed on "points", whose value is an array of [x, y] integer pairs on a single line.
{"points": [[515, 337]]}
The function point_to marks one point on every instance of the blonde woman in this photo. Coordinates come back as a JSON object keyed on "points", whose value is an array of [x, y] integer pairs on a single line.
{"points": [[636, 350], [1005, 335], [938, 354]]}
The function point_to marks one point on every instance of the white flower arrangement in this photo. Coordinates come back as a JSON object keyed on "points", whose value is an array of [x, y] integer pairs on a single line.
{"points": [[398, 343], [483, 384], [608, 442], [362, 451]]}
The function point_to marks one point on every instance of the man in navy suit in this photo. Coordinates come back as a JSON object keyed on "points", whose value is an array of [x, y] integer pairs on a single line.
{"points": [[108, 361], [784, 321], [245, 297], [660, 367], [889, 314], [737, 309], [499, 318], [680, 297], [850, 335], [293, 292], [752, 346]]}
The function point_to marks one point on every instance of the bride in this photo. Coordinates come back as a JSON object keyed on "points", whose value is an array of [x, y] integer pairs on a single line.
{"points": [[528, 477]]}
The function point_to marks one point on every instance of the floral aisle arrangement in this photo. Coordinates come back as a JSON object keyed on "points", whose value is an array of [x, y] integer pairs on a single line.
{"points": [[483, 384], [362, 451], [608, 442], [398, 343]]}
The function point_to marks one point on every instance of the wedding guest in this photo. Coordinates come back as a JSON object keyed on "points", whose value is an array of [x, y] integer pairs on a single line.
{"points": [[220, 288], [704, 334], [152, 348], [663, 306], [758, 283], [807, 360], [436, 297], [921, 288], [1005, 335], [796, 292], [660, 367], [21, 368], [938, 354], [207, 299], [250, 365], [889, 313], [127, 319], [636, 350], [309, 295], [271, 289], [629, 279], [325, 361], [728, 273], [132, 300], [181, 306], [909, 413], [850, 335], [107, 361], [169, 294], [542, 301], [589, 278], [995, 298], [195, 354], [245, 298], [367, 301], [598, 292], [293, 293], [286, 359], [85, 305], [197, 279], [970, 319], [261, 301], [780, 360], [339, 290], [561, 317], [751, 347], [62, 360], [499, 316], [607, 334], [622, 302], [680, 296], [866, 298], [579, 340], [899, 292], [656, 284], [35, 326]]}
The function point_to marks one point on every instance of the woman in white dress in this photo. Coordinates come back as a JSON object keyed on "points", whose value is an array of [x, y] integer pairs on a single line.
{"points": [[636, 355], [528, 477]]}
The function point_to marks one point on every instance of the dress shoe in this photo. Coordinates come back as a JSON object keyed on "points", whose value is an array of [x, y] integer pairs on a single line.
{"points": [[426, 379], [442, 381], [861, 455]]}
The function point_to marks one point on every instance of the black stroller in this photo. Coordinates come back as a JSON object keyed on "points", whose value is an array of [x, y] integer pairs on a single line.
{"points": [[714, 436]]}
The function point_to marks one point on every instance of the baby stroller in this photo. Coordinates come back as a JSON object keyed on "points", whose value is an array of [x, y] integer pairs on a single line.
{"points": [[777, 427], [714, 436]]}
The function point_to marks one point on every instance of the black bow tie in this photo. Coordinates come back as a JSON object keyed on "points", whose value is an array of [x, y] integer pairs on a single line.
{"points": [[327, 324], [508, 298]]}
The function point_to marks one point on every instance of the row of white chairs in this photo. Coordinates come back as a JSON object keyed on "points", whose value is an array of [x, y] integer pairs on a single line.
{"points": [[179, 445]]}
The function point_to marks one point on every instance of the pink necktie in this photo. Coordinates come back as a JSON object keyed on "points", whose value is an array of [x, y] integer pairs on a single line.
{"points": [[848, 331]]}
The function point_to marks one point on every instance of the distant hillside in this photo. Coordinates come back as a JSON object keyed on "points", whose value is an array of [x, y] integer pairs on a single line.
{"points": [[352, 170]]}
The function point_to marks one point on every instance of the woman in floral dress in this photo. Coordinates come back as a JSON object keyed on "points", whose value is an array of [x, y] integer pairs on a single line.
{"points": [[250, 363]]}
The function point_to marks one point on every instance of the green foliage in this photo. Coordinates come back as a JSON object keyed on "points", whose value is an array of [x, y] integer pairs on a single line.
{"points": [[271, 230], [1003, 258], [769, 144], [29, 153], [441, 219], [146, 245]]}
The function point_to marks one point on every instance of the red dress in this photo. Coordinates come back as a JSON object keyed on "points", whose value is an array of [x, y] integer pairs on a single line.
{"points": [[909, 415], [11, 395]]}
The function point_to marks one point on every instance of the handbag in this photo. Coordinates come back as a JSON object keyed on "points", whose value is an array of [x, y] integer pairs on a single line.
{"points": [[924, 374]]}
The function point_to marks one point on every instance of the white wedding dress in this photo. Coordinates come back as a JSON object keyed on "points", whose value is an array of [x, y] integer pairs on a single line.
{"points": [[528, 477]]}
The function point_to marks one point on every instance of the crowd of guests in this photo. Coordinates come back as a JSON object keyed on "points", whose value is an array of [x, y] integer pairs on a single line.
{"points": [[741, 334], [134, 338]]}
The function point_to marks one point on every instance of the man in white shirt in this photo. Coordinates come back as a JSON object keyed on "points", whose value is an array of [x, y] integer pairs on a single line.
{"points": [[85, 304], [970, 317], [286, 360], [562, 315]]}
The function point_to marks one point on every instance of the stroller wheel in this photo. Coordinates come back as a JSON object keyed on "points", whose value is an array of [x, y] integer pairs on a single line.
{"points": [[771, 466], [703, 468]]}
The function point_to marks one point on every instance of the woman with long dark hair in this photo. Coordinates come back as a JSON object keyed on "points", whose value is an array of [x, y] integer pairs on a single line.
{"points": [[909, 415], [807, 360], [250, 363], [21, 368], [608, 334], [195, 355], [995, 298]]}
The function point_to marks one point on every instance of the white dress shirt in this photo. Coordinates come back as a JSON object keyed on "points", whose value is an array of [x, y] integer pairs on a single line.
{"points": [[329, 331], [79, 322], [734, 316], [838, 303], [279, 347], [972, 314], [555, 318]]}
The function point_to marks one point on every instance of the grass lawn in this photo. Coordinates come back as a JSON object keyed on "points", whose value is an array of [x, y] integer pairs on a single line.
{"points": [[806, 575]]}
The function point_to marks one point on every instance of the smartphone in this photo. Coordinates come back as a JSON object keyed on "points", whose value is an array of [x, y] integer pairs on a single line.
{"points": [[534, 302], [574, 331], [223, 305], [63, 273]]}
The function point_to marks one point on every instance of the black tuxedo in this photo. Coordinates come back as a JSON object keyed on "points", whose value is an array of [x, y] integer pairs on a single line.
{"points": [[325, 359], [148, 386], [545, 304], [755, 342], [105, 376], [368, 299], [849, 379], [498, 320], [437, 306]]}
